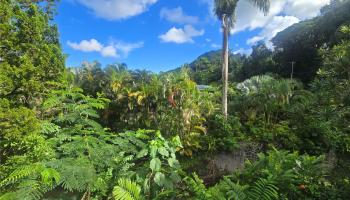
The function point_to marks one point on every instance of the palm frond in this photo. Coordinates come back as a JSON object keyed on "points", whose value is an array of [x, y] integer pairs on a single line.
{"points": [[225, 7], [263, 5]]}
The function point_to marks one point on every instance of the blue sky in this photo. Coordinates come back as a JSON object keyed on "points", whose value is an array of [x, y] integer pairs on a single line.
{"points": [[160, 35]]}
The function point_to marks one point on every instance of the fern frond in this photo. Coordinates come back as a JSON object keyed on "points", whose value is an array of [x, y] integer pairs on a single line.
{"points": [[196, 185], [263, 189], [75, 174], [127, 190], [32, 190], [20, 173], [237, 192], [49, 128], [90, 113], [28, 184]]}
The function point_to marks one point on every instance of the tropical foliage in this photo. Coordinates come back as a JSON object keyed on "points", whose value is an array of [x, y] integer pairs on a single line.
{"points": [[94, 132]]}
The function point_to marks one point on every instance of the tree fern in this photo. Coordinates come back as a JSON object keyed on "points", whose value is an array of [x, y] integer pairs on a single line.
{"points": [[127, 190]]}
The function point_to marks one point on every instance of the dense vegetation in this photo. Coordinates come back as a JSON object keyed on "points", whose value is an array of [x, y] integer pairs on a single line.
{"points": [[94, 132]]}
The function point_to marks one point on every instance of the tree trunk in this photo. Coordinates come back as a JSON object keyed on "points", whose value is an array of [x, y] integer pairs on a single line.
{"points": [[224, 66]]}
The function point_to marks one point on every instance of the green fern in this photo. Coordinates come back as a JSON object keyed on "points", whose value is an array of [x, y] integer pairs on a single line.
{"points": [[263, 189], [31, 181], [76, 174], [127, 190], [48, 175], [237, 192], [196, 186], [28, 190]]}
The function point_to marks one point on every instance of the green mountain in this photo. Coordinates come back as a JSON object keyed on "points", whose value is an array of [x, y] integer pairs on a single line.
{"points": [[301, 44]]}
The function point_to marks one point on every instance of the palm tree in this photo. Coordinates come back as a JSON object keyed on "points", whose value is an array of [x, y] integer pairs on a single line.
{"points": [[225, 10]]}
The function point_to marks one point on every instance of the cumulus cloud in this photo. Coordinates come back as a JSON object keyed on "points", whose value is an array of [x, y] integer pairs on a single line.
{"points": [[126, 48], [86, 45], [304, 9], [210, 5], [117, 9], [249, 17], [177, 15], [276, 25], [254, 40], [181, 35], [243, 51], [111, 50], [283, 13]]}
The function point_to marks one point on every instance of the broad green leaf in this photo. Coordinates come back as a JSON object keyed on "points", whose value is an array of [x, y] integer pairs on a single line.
{"points": [[159, 178], [162, 151], [176, 141], [168, 184], [142, 153], [175, 177], [173, 163], [155, 164], [153, 152]]}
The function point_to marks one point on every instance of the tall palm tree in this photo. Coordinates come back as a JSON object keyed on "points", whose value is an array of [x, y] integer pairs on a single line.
{"points": [[225, 10]]}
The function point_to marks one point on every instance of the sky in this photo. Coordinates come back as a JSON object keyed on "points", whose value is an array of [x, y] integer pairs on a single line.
{"points": [[160, 35]]}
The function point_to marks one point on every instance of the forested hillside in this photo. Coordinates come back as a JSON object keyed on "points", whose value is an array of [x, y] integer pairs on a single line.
{"points": [[107, 132], [299, 43]]}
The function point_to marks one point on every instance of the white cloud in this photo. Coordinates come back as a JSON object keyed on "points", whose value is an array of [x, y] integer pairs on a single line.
{"points": [[210, 5], [181, 35], [177, 15], [86, 45], [304, 9], [215, 46], [117, 9], [111, 50], [126, 48], [254, 40], [277, 24], [282, 14], [249, 17], [243, 51]]}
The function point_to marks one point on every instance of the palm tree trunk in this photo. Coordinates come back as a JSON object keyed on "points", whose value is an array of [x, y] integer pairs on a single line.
{"points": [[224, 65]]}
